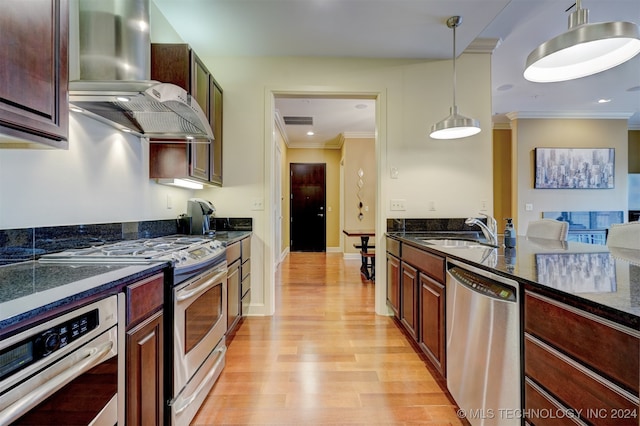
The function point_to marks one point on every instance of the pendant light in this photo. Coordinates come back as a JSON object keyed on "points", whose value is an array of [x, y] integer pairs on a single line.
{"points": [[455, 126], [583, 50]]}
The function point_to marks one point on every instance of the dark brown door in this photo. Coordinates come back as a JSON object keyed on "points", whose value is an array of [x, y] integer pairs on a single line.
{"points": [[308, 220]]}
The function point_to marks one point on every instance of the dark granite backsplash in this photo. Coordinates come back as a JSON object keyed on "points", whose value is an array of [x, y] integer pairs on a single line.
{"points": [[19, 245], [430, 225]]}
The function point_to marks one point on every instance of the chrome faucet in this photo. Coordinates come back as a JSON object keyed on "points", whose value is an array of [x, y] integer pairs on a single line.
{"points": [[490, 230]]}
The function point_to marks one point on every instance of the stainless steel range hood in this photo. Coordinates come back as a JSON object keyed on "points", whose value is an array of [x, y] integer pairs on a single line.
{"points": [[113, 74]]}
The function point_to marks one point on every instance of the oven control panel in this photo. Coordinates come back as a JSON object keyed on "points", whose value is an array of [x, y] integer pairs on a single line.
{"points": [[42, 344]]}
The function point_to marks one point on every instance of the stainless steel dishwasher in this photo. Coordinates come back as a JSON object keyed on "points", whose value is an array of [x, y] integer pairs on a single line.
{"points": [[483, 345]]}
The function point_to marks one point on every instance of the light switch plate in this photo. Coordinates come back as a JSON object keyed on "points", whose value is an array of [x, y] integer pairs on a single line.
{"points": [[528, 207], [398, 204], [257, 204]]}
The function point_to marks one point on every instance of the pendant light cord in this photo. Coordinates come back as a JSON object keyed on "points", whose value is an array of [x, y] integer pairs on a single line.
{"points": [[454, 64]]}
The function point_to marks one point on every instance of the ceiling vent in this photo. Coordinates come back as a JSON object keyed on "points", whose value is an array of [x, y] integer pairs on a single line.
{"points": [[298, 121]]}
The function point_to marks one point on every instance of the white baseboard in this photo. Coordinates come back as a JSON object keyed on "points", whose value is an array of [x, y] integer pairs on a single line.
{"points": [[351, 256], [334, 250]]}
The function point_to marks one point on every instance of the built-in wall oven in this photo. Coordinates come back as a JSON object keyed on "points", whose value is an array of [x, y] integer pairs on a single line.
{"points": [[64, 370]]}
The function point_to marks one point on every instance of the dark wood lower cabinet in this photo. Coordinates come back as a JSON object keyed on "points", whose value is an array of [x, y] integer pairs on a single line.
{"points": [[393, 284], [233, 295], [432, 327], [409, 299], [580, 362], [144, 352], [144, 372]]}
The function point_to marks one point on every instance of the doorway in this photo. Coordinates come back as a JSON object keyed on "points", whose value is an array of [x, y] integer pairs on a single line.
{"points": [[308, 201]]}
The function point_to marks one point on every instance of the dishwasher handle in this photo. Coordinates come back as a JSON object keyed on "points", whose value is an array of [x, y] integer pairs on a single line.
{"points": [[483, 285]]}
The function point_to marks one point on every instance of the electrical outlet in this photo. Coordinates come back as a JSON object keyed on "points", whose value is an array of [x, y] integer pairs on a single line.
{"points": [[528, 207], [483, 205], [431, 205], [257, 204], [398, 205], [394, 173]]}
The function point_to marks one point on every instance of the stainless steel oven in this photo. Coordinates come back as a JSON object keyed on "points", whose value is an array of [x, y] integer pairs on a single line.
{"points": [[195, 311], [200, 323], [64, 370]]}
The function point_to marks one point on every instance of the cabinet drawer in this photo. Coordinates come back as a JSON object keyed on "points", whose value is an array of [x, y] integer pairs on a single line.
{"points": [[233, 252], [428, 263], [393, 247], [246, 248], [539, 404], [246, 268], [577, 386], [144, 298], [612, 350], [246, 285]]}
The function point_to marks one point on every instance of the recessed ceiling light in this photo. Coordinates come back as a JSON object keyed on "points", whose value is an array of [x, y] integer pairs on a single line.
{"points": [[122, 98], [310, 133], [361, 106], [505, 87], [76, 109], [124, 129], [604, 101], [634, 89]]}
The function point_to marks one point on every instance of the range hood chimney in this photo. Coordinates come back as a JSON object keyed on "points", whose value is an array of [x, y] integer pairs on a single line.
{"points": [[113, 75]]}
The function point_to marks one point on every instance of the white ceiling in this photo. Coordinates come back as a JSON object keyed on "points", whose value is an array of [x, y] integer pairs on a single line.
{"points": [[411, 29]]}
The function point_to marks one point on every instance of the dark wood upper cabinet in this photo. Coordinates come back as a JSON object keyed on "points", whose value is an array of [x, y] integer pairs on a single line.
{"points": [[34, 79], [178, 64]]}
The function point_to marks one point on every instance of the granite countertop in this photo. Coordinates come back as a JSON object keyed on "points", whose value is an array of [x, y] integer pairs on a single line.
{"points": [[230, 237], [605, 277], [29, 289]]}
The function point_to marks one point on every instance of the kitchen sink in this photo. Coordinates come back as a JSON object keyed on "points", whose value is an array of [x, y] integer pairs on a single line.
{"points": [[453, 243]]}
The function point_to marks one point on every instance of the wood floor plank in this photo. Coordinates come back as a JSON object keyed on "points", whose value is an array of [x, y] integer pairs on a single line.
{"points": [[325, 358]]}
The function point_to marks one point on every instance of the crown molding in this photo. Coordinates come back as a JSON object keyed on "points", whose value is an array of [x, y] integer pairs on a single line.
{"points": [[569, 115], [359, 135], [281, 127], [483, 45]]}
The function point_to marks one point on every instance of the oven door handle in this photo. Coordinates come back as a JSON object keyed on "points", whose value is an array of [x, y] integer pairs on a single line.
{"points": [[183, 402], [91, 357], [185, 294]]}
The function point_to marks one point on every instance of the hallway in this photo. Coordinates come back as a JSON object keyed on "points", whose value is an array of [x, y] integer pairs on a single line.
{"points": [[324, 358]]}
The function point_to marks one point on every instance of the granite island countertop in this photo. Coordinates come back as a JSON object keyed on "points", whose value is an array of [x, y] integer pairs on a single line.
{"points": [[606, 278], [30, 289]]}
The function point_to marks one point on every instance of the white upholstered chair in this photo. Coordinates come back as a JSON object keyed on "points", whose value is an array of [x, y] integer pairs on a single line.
{"points": [[624, 235], [550, 229]]}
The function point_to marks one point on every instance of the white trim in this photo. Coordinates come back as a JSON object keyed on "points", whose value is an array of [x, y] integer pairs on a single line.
{"points": [[359, 135], [334, 250], [570, 114], [483, 45]]}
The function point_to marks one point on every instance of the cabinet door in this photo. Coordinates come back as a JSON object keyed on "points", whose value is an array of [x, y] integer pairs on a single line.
{"points": [[393, 284], [409, 298], [144, 373], [200, 152], [215, 119], [233, 295], [432, 330], [34, 80]]}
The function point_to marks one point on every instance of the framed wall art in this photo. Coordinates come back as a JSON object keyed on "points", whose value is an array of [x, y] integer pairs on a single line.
{"points": [[574, 168]]}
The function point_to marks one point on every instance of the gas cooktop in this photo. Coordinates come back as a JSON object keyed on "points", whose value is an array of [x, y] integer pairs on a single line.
{"points": [[182, 249]]}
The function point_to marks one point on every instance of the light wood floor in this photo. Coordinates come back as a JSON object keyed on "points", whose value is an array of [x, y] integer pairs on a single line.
{"points": [[324, 358]]}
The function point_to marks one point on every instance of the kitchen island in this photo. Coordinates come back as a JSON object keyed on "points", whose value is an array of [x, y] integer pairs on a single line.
{"points": [[580, 315]]}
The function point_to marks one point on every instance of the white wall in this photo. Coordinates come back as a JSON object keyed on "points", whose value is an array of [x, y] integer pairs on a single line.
{"points": [[530, 133], [102, 178]]}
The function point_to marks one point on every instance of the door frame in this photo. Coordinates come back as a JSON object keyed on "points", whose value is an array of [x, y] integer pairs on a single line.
{"points": [[379, 95]]}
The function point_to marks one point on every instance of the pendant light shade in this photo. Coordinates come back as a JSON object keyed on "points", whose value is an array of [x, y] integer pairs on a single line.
{"points": [[583, 50], [455, 126]]}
